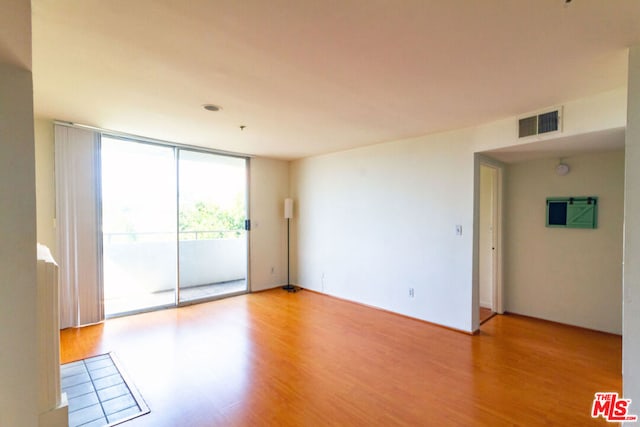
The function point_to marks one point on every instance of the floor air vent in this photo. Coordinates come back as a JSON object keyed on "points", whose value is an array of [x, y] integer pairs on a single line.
{"points": [[539, 124]]}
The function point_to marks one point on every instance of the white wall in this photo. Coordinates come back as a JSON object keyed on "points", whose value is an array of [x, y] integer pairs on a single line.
{"points": [[18, 331], [269, 186], [631, 278], [45, 184], [606, 110], [375, 221], [571, 276]]}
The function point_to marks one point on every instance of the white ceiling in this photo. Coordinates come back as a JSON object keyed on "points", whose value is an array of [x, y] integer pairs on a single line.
{"points": [[309, 77]]}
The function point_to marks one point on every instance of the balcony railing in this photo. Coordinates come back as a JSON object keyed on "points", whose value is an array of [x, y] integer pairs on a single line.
{"points": [[150, 260], [210, 234], [161, 236]]}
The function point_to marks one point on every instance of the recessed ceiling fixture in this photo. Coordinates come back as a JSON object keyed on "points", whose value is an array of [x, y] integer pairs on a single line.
{"points": [[211, 107]]}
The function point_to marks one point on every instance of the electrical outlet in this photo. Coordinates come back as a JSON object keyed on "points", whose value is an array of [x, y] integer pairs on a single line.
{"points": [[412, 293]]}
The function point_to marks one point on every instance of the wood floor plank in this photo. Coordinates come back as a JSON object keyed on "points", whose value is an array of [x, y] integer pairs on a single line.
{"points": [[276, 358], [485, 314]]}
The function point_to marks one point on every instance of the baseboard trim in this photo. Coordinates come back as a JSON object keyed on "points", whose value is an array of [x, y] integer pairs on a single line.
{"points": [[267, 289], [460, 331], [511, 313]]}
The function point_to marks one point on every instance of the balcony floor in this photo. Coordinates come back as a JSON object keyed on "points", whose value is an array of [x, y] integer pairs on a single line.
{"points": [[145, 301]]}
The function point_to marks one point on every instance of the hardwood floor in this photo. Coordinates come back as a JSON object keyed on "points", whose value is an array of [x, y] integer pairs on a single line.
{"points": [[485, 314], [292, 359]]}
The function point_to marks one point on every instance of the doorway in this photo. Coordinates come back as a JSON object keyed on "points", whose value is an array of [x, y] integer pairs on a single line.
{"points": [[212, 206], [489, 232], [139, 255], [173, 225]]}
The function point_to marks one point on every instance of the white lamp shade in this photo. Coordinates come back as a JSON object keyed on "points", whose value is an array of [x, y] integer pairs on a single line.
{"points": [[288, 208]]}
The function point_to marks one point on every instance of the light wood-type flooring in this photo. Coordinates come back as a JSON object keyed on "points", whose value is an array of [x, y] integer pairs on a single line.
{"points": [[485, 314], [304, 359]]}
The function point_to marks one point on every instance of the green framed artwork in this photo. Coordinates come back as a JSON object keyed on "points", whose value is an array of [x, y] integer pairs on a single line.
{"points": [[572, 212]]}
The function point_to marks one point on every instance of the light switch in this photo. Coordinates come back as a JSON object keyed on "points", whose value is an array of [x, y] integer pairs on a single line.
{"points": [[458, 230]]}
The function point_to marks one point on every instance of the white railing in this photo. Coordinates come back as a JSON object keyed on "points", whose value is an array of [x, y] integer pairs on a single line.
{"points": [[52, 405], [147, 261], [160, 236]]}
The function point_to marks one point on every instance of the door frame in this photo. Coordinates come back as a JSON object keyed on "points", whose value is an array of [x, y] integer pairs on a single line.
{"points": [[498, 237], [177, 147], [247, 289]]}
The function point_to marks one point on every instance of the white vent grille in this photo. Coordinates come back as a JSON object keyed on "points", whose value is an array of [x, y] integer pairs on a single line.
{"points": [[546, 122]]}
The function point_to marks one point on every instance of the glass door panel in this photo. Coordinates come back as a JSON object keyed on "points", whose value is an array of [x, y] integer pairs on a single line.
{"points": [[212, 211], [139, 225]]}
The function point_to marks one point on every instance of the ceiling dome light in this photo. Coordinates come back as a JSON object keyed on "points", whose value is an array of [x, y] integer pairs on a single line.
{"points": [[562, 169], [211, 107]]}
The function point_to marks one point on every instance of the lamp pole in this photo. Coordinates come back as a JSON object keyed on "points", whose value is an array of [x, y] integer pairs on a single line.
{"points": [[288, 213]]}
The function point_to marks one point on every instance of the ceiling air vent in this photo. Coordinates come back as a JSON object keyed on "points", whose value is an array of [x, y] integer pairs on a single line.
{"points": [[542, 123]]}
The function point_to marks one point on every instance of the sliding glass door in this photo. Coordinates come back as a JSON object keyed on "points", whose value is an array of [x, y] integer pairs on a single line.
{"points": [[139, 225], [173, 225], [212, 212]]}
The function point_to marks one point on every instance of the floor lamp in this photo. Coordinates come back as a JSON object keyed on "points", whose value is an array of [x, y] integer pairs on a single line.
{"points": [[288, 214]]}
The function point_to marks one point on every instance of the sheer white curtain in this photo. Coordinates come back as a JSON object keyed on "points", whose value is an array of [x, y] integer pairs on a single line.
{"points": [[78, 211]]}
